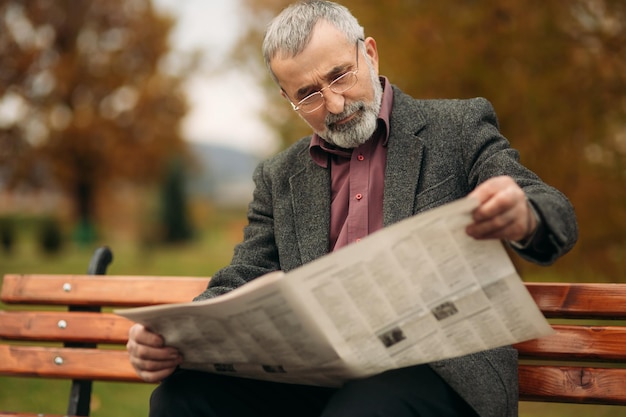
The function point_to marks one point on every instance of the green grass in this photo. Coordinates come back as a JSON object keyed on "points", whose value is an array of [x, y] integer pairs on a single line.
{"points": [[38, 395]]}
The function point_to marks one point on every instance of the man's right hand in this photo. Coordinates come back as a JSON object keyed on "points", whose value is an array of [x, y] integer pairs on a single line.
{"points": [[152, 360]]}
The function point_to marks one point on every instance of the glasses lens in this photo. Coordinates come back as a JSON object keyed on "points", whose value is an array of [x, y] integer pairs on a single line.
{"points": [[340, 85], [343, 83], [311, 103]]}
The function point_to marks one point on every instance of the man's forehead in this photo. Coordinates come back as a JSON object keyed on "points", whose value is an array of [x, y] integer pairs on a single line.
{"points": [[324, 36], [328, 48]]}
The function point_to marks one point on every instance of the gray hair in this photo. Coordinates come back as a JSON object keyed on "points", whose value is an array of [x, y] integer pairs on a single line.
{"points": [[290, 32]]}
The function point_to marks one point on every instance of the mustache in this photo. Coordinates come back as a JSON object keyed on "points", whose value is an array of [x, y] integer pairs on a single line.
{"points": [[348, 111]]}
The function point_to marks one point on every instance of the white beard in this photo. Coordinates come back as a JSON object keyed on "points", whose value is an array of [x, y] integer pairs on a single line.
{"points": [[358, 130]]}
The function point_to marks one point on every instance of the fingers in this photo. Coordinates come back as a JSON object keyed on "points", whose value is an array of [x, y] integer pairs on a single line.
{"points": [[143, 336], [151, 359], [153, 372], [503, 211]]}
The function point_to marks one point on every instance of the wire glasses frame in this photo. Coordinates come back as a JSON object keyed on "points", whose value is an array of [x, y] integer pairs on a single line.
{"points": [[339, 85]]}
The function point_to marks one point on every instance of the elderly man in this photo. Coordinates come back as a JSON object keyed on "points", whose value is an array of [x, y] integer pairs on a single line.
{"points": [[376, 157]]}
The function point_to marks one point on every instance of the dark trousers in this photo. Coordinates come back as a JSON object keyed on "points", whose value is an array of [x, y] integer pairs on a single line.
{"points": [[408, 392]]}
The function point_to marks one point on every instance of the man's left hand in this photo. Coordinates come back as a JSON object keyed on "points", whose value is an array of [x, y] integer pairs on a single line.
{"points": [[503, 211]]}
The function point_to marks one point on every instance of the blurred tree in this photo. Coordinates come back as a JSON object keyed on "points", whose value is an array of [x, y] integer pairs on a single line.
{"points": [[555, 72], [7, 234], [175, 216], [50, 237], [86, 96]]}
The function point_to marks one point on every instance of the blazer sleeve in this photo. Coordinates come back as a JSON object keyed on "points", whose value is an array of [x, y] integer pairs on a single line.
{"points": [[257, 254], [489, 154]]}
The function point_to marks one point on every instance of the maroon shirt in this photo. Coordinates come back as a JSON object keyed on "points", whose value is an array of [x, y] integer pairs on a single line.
{"points": [[357, 179]]}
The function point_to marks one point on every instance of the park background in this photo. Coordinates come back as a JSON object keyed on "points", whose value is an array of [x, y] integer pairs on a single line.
{"points": [[98, 100]]}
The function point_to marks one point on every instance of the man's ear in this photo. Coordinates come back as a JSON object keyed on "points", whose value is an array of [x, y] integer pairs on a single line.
{"points": [[371, 50]]}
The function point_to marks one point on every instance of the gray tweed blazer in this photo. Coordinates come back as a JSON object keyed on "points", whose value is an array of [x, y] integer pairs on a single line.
{"points": [[438, 151]]}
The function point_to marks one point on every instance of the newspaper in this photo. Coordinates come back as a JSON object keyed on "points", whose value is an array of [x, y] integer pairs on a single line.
{"points": [[418, 291]]}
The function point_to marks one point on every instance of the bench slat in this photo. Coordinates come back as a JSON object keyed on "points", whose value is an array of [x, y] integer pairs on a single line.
{"points": [[578, 343], [573, 342], [572, 384], [77, 363], [99, 290], [63, 326], [575, 300]]}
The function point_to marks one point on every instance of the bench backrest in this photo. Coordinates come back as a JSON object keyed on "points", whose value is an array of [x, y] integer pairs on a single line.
{"points": [[581, 363], [584, 361], [79, 327]]}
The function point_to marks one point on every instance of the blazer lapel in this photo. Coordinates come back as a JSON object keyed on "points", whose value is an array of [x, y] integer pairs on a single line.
{"points": [[404, 159], [310, 190]]}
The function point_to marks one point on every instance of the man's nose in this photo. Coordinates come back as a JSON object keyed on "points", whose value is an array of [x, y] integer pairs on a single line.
{"points": [[334, 102]]}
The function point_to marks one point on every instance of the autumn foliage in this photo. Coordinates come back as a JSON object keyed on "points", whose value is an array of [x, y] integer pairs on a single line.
{"points": [[85, 97]]}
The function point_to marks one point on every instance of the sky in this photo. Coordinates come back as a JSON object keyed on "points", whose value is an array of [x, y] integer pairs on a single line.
{"points": [[224, 108]]}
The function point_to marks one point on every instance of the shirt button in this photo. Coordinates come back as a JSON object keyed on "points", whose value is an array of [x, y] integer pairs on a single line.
{"points": [[358, 196], [357, 240], [360, 157]]}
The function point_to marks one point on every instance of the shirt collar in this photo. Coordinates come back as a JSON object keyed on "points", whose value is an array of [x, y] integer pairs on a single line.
{"points": [[319, 148]]}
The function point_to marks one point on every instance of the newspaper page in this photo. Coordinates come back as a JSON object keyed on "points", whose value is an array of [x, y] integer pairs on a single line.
{"points": [[418, 291]]}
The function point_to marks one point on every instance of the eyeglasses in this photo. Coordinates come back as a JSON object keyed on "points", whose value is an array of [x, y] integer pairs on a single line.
{"points": [[339, 85]]}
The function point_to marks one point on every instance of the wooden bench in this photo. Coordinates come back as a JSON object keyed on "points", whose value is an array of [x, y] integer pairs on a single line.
{"points": [[581, 363]]}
